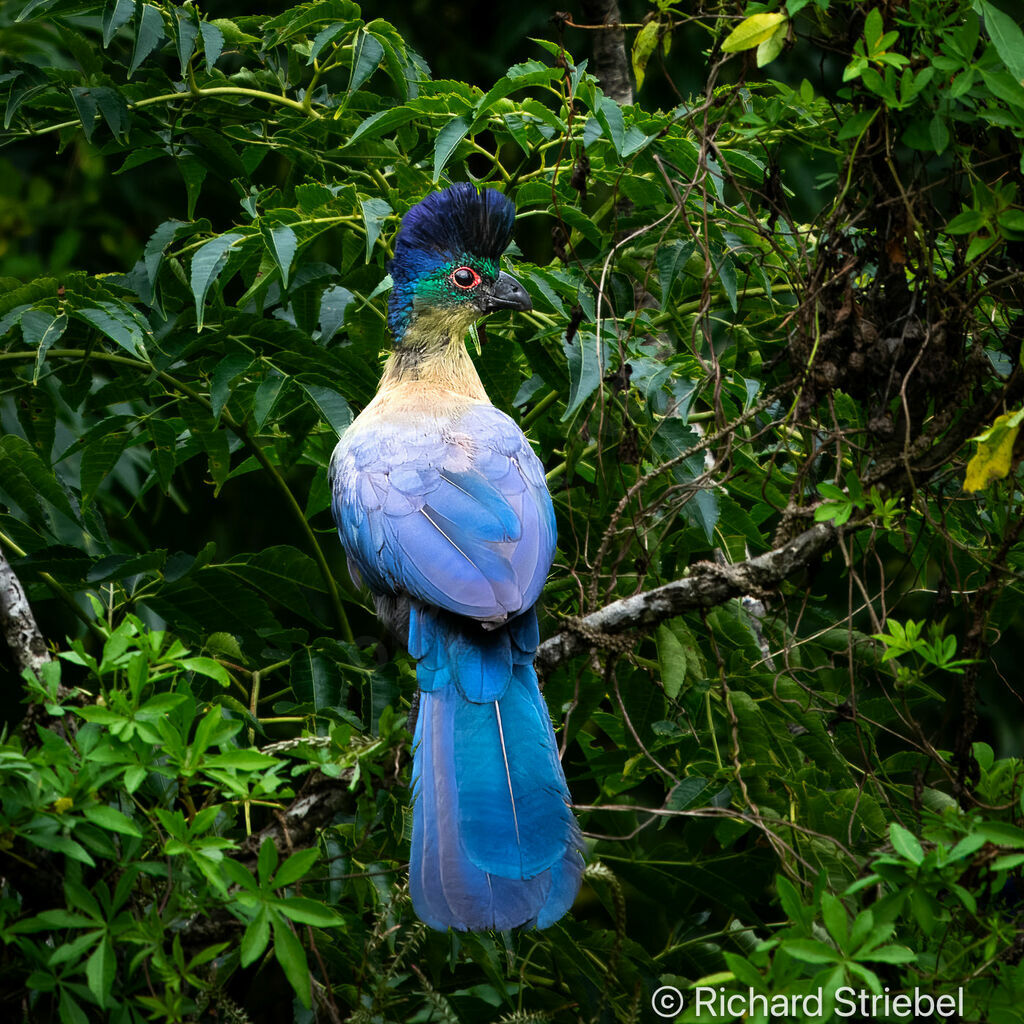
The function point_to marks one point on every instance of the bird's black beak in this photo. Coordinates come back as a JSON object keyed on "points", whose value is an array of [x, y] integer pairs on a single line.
{"points": [[505, 293]]}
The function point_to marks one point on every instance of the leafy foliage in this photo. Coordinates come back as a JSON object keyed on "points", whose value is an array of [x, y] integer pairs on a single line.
{"points": [[204, 814]]}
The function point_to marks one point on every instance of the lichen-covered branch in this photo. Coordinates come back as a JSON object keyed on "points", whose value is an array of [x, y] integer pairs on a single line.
{"points": [[707, 585], [18, 623]]}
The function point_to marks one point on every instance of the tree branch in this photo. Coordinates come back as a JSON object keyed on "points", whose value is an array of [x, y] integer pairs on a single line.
{"points": [[707, 585], [18, 623]]}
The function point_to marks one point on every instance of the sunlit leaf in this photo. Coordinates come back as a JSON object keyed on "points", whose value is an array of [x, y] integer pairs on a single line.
{"points": [[752, 31]]}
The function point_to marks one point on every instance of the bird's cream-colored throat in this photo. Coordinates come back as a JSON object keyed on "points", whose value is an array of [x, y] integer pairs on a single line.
{"points": [[432, 357]]}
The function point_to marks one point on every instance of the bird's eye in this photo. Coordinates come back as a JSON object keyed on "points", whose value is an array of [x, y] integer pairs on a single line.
{"points": [[465, 278]]}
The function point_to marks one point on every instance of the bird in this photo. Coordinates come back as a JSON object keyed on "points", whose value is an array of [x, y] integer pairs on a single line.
{"points": [[444, 513]]}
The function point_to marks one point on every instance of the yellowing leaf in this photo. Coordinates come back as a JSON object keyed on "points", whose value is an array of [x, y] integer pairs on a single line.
{"points": [[771, 47], [643, 46], [752, 31], [992, 460]]}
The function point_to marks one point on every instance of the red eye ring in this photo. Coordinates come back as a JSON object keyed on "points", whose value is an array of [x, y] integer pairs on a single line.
{"points": [[464, 278]]}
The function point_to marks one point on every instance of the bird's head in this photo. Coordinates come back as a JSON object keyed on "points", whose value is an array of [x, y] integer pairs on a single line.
{"points": [[446, 266]]}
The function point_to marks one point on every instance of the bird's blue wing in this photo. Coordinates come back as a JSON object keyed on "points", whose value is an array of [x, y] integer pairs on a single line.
{"points": [[455, 513]]}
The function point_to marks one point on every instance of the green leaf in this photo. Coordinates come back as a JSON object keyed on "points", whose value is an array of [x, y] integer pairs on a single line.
{"points": [[292, 957], [31, 7], [27, 88], [1001, 833], [685, 793], [874, 29], [672, 659], [266, 862], [726, 270], [213, 43], [85, 103], [671, 259], [939, 134], [100, 970], [796, 910], [905, 843], [517, 77], [212, 597], [162, 704], [208, 667], [752, 32], [609, 116], [241, 760], [1012, 221], [281, 243], [890, 955], [834, 915], [26, 478], [375, 212], [149, 36], [116, 14], [62, 844], [326, 36], [1005, 86], [233, 34], [330, 404], [1006, 36], [586, 368], [163, 456], [966, 222], [187, 30], [810, 951], [50, 919], [366, 57], [297, 866], [69, 1010], [333, 304], [114, 109], [193, 173], [119, 324], [266, 397], [255, 938], [770, 48], [447, 139], [855, 126], [40, 328], [306, 911], [207, 263], [228, 370], [317, 680], [101, 716], [99, 459], [381, 122], [283, 573]]}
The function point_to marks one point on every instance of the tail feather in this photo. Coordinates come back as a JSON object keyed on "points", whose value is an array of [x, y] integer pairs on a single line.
{"points": [[495, 843], [448, 890]]}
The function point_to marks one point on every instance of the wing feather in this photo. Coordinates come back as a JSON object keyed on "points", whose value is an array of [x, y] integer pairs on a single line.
{"points": [[455, 513]]}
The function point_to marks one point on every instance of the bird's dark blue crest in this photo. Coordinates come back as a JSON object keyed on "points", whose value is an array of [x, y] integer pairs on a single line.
{"points": [[456, 222]]}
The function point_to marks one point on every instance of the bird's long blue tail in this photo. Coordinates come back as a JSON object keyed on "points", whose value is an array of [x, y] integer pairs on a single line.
{"points": [[494, 841]]}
